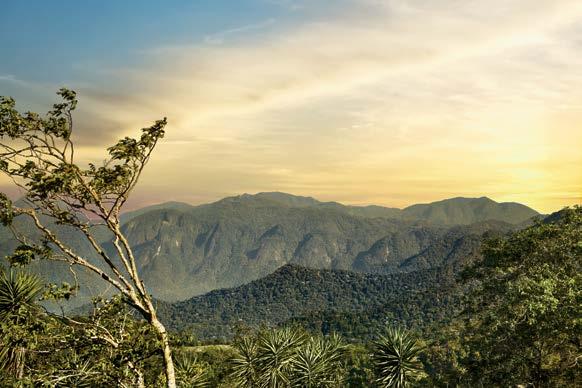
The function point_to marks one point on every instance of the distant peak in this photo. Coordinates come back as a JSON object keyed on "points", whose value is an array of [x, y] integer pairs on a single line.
{"points": [[280, 194], [468, 199], [283, 198]]}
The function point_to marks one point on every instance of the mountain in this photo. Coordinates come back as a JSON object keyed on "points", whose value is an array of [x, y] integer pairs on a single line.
{"points": [[237, 240], [464, 211], [453, 211], [185, 250], [127, 216], [243, 238], [299, 201], [354, 304]]}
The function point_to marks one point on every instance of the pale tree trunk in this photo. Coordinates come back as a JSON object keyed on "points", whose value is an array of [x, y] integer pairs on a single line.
{"points": [[139, 380], [167, 351]]}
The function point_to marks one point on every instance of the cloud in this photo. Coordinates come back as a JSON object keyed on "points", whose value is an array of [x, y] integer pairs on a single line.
{"points": [[7, 77], [219, 37], [331, 57], [381, 101]]}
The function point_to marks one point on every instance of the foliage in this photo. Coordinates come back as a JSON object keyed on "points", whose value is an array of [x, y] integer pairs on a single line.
{"points": [[358, 366], [37, 153], [217, 361], [190, 372], [442, 358], [396, 358], [524, 324], [246, 364], [288, 358], [318, 363], [19, 292], [108, 348], [323, 301]]}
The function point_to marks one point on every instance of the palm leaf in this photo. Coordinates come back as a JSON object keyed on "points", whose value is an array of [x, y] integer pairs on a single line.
{"points": [[18, 290], [396, 358]]}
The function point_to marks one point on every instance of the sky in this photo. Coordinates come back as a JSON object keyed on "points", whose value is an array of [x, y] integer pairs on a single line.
{"points": [[387, 102]]}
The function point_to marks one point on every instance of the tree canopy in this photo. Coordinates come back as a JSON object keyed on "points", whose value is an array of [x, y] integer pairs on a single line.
{"points": [[524, 324]]}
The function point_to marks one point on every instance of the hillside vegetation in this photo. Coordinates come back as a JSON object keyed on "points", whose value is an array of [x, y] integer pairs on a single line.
{"points": [[353, 304]]}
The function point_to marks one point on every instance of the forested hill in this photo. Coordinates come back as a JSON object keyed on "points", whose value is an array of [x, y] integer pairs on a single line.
{"points": [[464, 211], [354, 304]]}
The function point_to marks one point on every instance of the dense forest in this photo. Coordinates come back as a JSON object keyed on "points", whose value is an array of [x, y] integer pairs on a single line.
{"points": [[352, 304]]}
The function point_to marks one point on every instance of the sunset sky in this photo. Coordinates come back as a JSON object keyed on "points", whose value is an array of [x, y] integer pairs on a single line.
{"points": [[358, 101]]}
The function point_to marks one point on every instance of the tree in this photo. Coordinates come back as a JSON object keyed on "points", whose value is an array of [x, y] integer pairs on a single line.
{"points": [[19, 293], [38, 155], [276, 351], [524, 325], [396, 358], [191, 373], [288, 357], [37, 348], [359, 368], [245, 363], [319, 363]]}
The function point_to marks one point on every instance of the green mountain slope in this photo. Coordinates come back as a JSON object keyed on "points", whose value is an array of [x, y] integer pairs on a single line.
{"points": [[240, 239], [127, 216], [453, 211], [354, 304], [299, 201], [464, 211]]}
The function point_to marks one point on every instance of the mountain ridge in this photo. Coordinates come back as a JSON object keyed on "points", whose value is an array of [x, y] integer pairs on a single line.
{"points": [[185, 250], [476, 209], [243, 238]]}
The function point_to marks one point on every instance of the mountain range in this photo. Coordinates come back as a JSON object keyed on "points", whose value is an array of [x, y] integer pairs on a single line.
{"points": [[185, 250]]}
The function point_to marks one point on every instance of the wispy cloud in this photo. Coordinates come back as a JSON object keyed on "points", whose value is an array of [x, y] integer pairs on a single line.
{"points": [[372, 101], [220, 37], [292, 5], [330, 57]]}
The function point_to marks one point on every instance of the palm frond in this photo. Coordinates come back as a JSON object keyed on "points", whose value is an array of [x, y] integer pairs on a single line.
{"points": [[190, 372], [245, 363], [18, 290], [396, 358]]}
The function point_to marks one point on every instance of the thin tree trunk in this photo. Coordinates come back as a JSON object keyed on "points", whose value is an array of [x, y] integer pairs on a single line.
{"points": [[139, 380], [168, 362]]}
